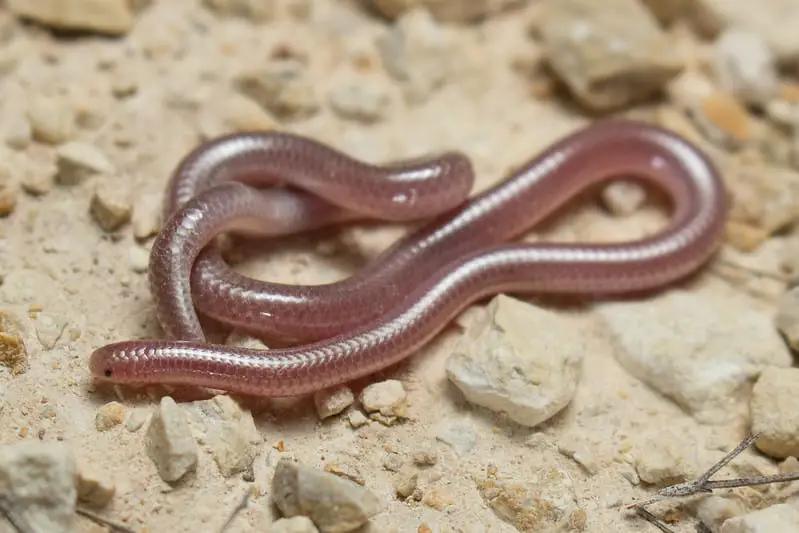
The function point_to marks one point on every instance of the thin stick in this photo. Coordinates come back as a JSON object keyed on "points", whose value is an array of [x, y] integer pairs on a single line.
{"points": [[115, 526], [703, 484], [239, 508], [652, 519]]}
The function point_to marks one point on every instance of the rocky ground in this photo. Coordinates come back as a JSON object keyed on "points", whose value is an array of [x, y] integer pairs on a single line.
{"points": [[522, 416]]}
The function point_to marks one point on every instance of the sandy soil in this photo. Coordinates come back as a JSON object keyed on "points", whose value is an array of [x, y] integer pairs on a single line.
{"points": [[144, 99]]}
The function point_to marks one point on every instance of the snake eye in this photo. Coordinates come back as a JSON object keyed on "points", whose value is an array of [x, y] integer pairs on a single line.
{"points": [[108, 372]]}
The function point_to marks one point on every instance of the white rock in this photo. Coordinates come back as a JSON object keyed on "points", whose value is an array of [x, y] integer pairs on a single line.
{"points": [[666, 460], [16, 130], [623, 198], [417, 53], [360, 100], [78, 160], [52, 119], [714, 510], [138, 259], [520, 360], [331, 402], [780, 518], [229, 431], [606, 60], [745, 66], [690, 346], [94, 485], [385, 397], [772, 412], [170, 444], [334, 504], [37, 479]]}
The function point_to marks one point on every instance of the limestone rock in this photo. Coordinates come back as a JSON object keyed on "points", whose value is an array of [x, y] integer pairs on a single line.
{"points": [[607, 61], [502, 366]]}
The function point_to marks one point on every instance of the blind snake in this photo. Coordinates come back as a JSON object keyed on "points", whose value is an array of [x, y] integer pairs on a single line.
{"points": [[403, 299]]}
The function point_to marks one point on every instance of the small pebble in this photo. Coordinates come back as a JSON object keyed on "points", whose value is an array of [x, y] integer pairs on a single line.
{"points": [[386, 401], [110, 209], [357, 419], [8, 193], [664, 461], [623, 198], [77, 161], [417, 53], [17, 131], [138, 259], [714, 510], [406, 482], [52, 120], [283, 87], [360, 101], [38, 181], [109, 415], [745, 66], [146, 216], [94, 488], [425, 458], [333, 401]]}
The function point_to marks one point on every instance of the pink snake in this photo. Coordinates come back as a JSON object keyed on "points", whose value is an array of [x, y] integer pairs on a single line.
{"points": [[400, 301]]}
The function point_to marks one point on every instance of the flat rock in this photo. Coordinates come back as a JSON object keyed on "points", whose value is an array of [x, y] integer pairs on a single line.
{"points": [[606, 60], [690, 346], [446, 10], [114, 17], [334, 504], [520, 360]]}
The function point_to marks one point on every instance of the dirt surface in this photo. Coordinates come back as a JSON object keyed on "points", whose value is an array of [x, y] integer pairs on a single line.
{"points": [[79, 222]]}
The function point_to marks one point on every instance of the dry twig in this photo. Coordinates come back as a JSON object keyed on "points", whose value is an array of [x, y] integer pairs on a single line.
{"points": [[114, 526], [239, 508], [704, 485]]}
